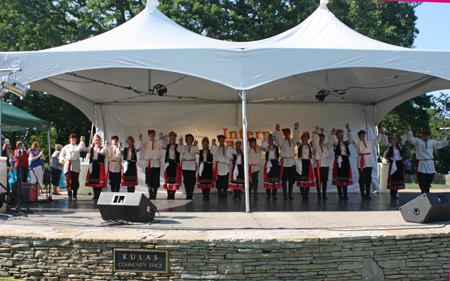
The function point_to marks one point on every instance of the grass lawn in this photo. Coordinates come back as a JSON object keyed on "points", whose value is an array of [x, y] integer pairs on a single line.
{"points": [[415, 185]]}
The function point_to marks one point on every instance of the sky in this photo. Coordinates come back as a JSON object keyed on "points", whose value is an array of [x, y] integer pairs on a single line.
{"points": [[434, 28]]}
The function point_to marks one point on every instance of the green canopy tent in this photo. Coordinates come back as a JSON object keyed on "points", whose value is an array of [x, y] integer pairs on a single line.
{"points": [[15, 119]]}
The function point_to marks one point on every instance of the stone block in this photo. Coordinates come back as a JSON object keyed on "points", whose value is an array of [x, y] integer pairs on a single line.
{"points": [[230, 268], [371, 271], [392, 264]]}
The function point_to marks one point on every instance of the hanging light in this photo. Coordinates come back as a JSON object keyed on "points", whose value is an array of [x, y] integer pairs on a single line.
{"points": [[10, 85], [160, 90], [321, 95]]}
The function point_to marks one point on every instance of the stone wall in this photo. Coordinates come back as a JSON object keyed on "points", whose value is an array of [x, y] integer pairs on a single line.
{"points": [[409, 257]]}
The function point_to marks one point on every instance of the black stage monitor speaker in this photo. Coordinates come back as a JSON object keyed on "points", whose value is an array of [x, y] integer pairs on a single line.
{"points": [[428, 207], [126, 206]]}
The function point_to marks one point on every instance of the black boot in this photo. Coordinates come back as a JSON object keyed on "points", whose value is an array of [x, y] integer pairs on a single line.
{"points": [[362, 189], [154, 192], [368, 192], [291, 187], [319, 193], [204, 194], [394, 194], [284, 191], [345, 189], [274, 194], [306, 194], [207, 193], [339, 189], [235, 194], [130, 189], [268, 193], [324, 190], [239, 195], [69, 194], [302, 192]]}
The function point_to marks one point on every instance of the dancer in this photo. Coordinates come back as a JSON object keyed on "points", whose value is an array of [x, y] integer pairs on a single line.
{"points": [[172, 168], [364, 160], [396, 176], [130, 175], [254, 160], [237, 171], [151, 151], [424, 156], [205, 170], [305, 171], [321, 154], [188, 164], [272, 180], [342, 170], [287, 146], [222, 156], [70, 156], [95, 177], [114, 153]]}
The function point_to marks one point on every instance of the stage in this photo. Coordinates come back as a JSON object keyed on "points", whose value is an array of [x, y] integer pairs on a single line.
{"points": [[380, 211]]}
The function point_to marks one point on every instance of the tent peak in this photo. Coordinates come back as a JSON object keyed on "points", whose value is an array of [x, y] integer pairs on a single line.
{"points": [[152, 4], [323, 4]]}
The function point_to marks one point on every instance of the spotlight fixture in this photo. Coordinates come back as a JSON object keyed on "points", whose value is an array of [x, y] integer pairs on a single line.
{"points": [[321, 95], [10, 85], [159, 90]]}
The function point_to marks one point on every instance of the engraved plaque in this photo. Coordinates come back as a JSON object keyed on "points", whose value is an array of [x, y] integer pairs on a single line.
{"points": [[131, 260]]}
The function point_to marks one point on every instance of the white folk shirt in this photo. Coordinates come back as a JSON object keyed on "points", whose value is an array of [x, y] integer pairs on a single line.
{"points": [[424, 152], [151, 151], [287, 147], [222, 156], [114, 155], [188, 154], [322, 151], [365, 147], [239, 156], [254, 158], [72, 153]]}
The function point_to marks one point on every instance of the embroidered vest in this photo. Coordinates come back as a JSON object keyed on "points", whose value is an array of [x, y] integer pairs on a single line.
{"points": [[390, 153], [177, 154], [300, 150], [235, 159], [209, 157], [277, 153], [100, 157], [133, 155], [337, 150]]}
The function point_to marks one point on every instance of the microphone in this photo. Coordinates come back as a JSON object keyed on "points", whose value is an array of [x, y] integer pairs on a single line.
{"points": [[443, 128]]}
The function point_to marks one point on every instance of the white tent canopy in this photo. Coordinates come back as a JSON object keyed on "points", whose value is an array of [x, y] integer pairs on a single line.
{"points": [[279, 76]]}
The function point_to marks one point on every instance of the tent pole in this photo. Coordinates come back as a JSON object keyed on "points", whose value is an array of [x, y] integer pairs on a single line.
{"points": [[245, 143], [49, 149]]}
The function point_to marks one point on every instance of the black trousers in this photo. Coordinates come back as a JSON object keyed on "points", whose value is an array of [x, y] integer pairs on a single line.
{"points": [[254, 184], [425, 181], [222, 185], [114, 181], [271, 192], [74, 185], [365, 181], [189, 183], [288, 175], [152, 181], [323, 180]]}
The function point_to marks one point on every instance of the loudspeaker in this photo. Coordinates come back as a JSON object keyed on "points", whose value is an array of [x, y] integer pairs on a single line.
{"points": [[428, 207], [126, 206]]}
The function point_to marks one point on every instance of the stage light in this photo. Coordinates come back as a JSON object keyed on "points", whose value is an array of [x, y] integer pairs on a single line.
{"points": [[159, 90], [10, 85], [322, 94]]}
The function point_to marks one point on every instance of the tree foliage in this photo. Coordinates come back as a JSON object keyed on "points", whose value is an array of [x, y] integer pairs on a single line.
{"points": [[27, 25]]}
